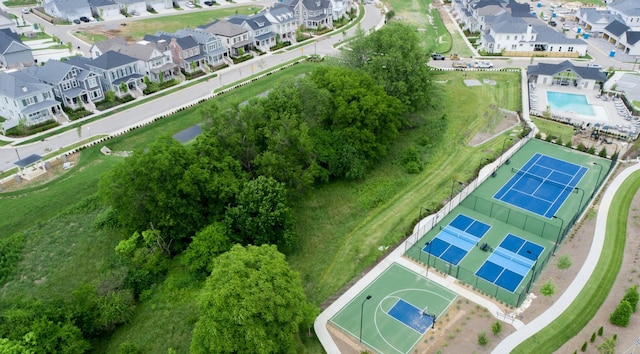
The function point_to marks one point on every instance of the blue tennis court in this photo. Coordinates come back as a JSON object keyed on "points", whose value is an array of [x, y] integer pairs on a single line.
{"points": [[542, 185], [522, 247], [411, 316], [455, 240], [507, 266]]}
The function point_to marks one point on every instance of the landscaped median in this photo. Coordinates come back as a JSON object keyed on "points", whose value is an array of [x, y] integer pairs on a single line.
{"points": [[598, 287]]}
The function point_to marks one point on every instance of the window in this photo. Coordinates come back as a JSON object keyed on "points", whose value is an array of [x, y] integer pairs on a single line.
{"points": [[95, 94], [559, 49], [508, 37], [514, 47], [570, 49], [66, 86], [92, 82], [515, 38]]}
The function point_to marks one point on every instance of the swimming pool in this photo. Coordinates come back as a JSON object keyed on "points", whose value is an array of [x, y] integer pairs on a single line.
{"points": [[569, 102]]}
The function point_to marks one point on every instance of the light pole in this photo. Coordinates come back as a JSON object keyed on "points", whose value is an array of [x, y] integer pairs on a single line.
{"points": [[453, 184], [559, 232], [598, 180], [502, 150], [362, 314], [581, 198], [428, 245], [18, 154]]}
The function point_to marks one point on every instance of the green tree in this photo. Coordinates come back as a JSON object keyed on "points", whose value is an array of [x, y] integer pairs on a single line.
{"points": [[482, 339], [145, 256], [608, 346], [622, 314], [631, 295], [150, 190], [564, 262], [262, 215], [251, 303], [393, 56], [14, 347], [207, 244]]}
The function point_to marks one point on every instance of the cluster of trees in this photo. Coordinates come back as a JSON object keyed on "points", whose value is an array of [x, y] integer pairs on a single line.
{"points": [[224, 203], [628, 305]]}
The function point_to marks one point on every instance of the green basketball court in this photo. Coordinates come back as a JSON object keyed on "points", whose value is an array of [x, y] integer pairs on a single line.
{"points": [[399, 312]]}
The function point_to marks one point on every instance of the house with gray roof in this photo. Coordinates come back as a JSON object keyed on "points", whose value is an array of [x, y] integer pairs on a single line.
{"points": [[509, 28], [68, 9], [26, 99], [105, 9], [73, 85], [99, 48], [259, 28], [235, 38], [156, 61], [118, 72], [13, 53], [628, 10], [566, 74], [185, 51], [7, 23], [618, 24], [311, 13], [283, 21], [210, 45], [132, 6]]}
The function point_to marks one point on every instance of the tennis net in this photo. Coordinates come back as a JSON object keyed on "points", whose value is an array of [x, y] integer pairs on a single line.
{"points": [[517, 260], [539, 178], [469, 239]]}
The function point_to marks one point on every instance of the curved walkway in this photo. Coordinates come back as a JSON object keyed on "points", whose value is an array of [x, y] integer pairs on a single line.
{"points": [[509, 343]]}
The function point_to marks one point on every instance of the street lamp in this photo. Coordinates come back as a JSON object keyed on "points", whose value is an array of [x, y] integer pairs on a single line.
{"points": [[581, 198], [598, 180], [559, 232], [502, 151], [428, 245], [18, 154], [361, 314]]}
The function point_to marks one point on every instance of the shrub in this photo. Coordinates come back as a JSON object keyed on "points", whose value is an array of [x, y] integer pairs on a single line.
{"points": [[631, 296], [600, 330], [603, 152], [584, 347], [538, 135], [582, 148], [548, 288], [482, 339], [622, 314], [593, 337], [496, 328], [564, 262], [591, 150]]}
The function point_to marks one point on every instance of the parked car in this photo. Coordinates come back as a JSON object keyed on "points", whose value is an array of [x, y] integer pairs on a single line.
{"points": [[190, 5], [209, 3], [566, 27], [553, 23], [84, 19], [436, 56], [76, 21], [460, 64], [134, 13], [482, 64], [594, 65], [25, 10]]}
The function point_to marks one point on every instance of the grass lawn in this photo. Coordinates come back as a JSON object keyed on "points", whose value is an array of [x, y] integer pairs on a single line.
{"points": [[135, 30], [16, 3], [38, 36], [563, 131], [343, 226], [584, 307], [435, 36]]}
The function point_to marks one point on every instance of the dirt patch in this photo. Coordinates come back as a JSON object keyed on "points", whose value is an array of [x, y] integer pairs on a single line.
{"points": [[56, 170], [502, 120]]}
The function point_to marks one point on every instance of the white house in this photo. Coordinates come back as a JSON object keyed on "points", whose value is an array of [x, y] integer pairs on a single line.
{"points": [[566, 74], [68, 9]]}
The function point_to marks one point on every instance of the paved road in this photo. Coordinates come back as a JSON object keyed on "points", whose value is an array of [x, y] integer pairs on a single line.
{"points": [[323, 46]]}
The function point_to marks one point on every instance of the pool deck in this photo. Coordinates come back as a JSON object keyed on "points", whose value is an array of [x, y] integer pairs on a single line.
{"points": [[605, 109]]}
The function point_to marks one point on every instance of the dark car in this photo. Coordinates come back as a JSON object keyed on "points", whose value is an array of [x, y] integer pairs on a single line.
{"points": [[76, 21], [84, 19], [553, 23], [436, 56], [209, 3]]}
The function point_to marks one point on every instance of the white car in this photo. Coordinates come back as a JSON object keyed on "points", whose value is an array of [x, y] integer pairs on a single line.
{"points": [[25, 10], [594, 65], [190, 5], [482, 64]]}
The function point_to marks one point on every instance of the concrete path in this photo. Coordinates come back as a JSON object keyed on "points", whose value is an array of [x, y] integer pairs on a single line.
{"points": [[509, 343]]}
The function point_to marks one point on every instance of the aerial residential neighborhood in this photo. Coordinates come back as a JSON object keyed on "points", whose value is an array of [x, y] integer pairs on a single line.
{"points": [[319, 176]]}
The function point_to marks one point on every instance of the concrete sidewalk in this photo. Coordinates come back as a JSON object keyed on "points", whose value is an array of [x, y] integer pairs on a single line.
{"points": [[512, 341]]}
